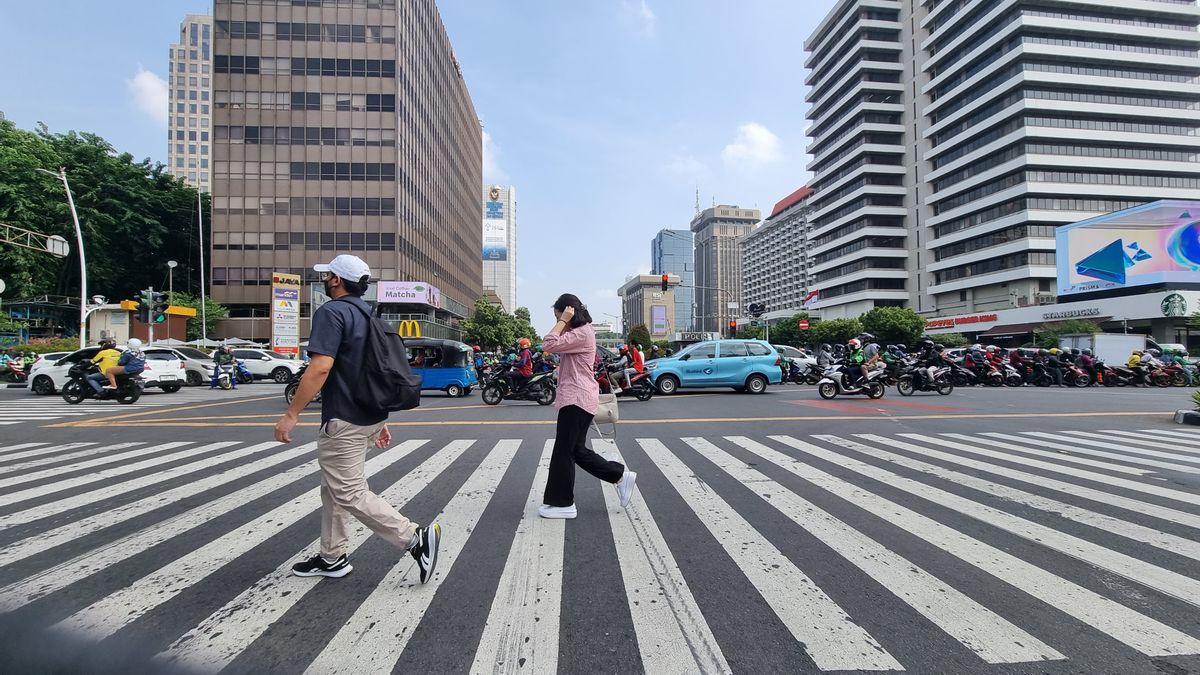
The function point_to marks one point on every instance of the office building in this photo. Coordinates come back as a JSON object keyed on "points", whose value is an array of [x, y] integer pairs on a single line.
{"points": [[342, 126], [718, 260], [944, 196], [645, 303], [500, 243], [189, 89], [671, 252], [774, 259]]}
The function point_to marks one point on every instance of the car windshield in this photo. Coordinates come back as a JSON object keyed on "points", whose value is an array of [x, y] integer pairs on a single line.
{"points": [[276, 355]]}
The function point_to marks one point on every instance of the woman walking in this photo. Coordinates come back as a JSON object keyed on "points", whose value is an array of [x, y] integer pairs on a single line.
{"points": [[574, 340]]}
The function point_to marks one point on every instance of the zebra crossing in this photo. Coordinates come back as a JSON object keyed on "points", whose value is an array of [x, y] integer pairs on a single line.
{"points": [[1073, 551], [27, 408]]}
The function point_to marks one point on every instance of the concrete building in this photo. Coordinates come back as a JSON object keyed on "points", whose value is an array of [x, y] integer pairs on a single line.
{"points": [[944, 196], [644, 302], [500, 243], [774, 258], [671, 252], [341, 127], [189, 90], [718, 260]]}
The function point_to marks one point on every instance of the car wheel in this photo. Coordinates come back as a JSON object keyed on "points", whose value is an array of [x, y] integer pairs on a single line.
{"points": [[454, 391], [42, 385], [756, 384], [194, 379], [281, 375], [668, 385], [171, 388]]}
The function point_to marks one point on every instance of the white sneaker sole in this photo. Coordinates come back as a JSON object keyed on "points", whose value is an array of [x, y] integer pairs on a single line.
{"points": [[333, 574], [558, 515], [626, 492]]}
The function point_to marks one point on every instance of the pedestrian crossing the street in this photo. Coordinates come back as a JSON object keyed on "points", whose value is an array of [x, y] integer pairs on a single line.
{"points": [[38, 410], [1074, 551]]}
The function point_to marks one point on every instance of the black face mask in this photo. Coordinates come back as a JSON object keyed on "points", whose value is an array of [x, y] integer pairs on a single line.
{"points": [[328, 287]]}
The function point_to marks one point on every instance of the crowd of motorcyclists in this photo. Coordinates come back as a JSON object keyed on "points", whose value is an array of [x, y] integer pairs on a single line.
{"points": [[524, 362]]}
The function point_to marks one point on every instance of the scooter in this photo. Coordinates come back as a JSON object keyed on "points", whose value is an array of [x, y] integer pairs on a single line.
{"points": [[77, 390], [289, 392], [641, 388], [916, 379], [837, 381], [540, 388], [14, 371]]}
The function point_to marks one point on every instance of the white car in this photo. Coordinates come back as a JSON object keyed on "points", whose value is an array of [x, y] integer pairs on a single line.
{"points": [[163, 371], [197, 365], [46, 384], [267, 365]]}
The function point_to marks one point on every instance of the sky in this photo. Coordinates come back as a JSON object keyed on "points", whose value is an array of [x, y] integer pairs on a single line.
{"points": [[605, 115]]}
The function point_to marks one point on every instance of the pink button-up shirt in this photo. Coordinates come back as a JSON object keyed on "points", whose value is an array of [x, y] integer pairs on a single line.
{"points": [[576, 377]]}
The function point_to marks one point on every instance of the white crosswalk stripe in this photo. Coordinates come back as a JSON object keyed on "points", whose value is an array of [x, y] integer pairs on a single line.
{"points": [[41, 409], [891, 509]]}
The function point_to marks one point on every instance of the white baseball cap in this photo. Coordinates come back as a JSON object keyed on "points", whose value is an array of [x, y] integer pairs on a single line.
{"points": [[348, 267]]}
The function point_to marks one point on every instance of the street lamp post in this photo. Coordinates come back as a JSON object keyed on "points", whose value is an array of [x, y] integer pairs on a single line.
{"points": [[83, 308], [171, 265]]}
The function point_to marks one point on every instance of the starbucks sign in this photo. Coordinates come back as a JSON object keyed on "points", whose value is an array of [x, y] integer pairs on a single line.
{"points": [[1174, 305]]}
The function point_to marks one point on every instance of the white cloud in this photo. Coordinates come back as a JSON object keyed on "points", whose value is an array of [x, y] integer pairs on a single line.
{"points": [[149, 93], [640, 16], [754, 144], [492, 173], [686, 165]]}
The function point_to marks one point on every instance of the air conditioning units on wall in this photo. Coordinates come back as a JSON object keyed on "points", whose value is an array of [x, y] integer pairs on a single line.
{"points": [[1045, 298]]}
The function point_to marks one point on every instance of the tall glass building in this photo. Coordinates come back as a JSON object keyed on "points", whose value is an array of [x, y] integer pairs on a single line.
{"points": [[671, 252], [189, 104]]}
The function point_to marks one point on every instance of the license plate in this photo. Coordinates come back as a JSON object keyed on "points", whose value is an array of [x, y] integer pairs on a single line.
{"points": [[166, 378]]}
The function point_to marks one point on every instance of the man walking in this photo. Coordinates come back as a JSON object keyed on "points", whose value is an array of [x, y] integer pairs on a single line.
{"points": [[337, 342]]}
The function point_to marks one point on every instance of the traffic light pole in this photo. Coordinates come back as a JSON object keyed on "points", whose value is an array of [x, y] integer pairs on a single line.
{"points": [[150, 315]]}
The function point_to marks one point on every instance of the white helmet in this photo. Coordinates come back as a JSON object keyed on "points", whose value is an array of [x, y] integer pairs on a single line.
{"points": [[134, 344]]}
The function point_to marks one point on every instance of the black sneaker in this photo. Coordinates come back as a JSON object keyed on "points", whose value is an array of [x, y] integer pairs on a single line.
{"points": [[317, 567], [425, 551]]}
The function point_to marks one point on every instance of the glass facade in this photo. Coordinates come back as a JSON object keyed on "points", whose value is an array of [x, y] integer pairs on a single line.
{"points": [[671, 253], [187, 102]]}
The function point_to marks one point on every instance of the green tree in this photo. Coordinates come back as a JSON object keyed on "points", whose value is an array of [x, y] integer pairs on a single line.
{"points": [[949, 340], [1047, 336], [893, 325], [489, 326], [787, 332], [749, 333], [639, 335], [522, 326], [213, 312], [833, 331]]}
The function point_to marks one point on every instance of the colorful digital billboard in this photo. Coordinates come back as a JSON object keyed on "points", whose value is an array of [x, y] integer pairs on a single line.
{"points": [[1157, 243]]}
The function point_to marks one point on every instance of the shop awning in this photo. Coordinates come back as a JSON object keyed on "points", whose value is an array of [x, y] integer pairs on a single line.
{"points": [[1017, 329]]}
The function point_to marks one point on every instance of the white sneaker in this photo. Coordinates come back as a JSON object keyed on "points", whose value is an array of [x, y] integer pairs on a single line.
{"points": [[558, 512], [625, 487]]}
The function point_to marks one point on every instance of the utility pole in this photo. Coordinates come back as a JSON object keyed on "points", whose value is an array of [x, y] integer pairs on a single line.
{"points": [[83, 310], [203, 303]]}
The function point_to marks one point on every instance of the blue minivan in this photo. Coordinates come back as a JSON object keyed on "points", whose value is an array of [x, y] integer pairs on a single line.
{"points": [[444, 365], [745, 365]]}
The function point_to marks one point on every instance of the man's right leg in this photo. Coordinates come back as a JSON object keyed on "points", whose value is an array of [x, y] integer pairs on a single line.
{"points": [[94, 381]]}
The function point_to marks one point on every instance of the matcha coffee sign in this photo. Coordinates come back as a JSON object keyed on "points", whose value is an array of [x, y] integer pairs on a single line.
{"points": [[1174, 305]]}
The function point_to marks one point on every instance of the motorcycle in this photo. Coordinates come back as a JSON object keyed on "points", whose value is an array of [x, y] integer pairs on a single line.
{"points": [[1168, 375], [916, 379], [289, 392], [837, 381], [809, 374], [641, 388], [1012, 377], [234, 371], [540, 388], [14, 371], [1076, 376], [1116, 376], [77, 390]]}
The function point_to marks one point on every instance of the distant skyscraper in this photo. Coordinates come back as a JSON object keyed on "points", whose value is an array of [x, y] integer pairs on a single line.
{"points": [[718, 258], [189, 86], [500, 243], [671, 253], [773, 259]]}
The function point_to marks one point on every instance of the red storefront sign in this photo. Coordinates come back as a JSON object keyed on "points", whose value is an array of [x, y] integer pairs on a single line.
{"points": [[961, 320]]}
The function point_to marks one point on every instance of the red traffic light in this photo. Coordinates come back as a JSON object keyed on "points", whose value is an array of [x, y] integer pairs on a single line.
{"points": [[664, 282]]}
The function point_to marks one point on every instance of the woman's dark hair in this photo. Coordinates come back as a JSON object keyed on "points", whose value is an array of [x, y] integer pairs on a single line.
{"points": [[581, 314]]}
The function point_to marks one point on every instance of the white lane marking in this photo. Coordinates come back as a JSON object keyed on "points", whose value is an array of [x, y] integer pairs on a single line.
{"points": [[826, 632], [42, 461], [217, 640], [672, 634], [1189, 447], [1188, 437], [521, 633], [1069, 456], [75, 529], [64, 574], [1132, 443], [108, 615], [388, 617], [1147, 535], [1130, 455], [10, 451], [79, 466], [41, 451], [1112, 618]]}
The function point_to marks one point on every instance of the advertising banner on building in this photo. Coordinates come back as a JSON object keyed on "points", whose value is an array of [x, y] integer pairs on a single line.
{"points": [[1158, 243], [658, 320], [408, 292], [285, 313], [495, 239]]}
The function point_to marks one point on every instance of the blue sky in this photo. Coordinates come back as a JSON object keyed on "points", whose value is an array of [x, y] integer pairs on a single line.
{"points": [[605, 114]]}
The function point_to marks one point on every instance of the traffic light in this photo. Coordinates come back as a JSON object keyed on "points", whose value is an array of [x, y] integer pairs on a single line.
{"points": [[158, 307], [732, 327], [145, 298], [664, 282]]}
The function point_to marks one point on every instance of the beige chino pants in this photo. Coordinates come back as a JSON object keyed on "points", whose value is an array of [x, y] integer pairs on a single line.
{"points": [[342, 454]]}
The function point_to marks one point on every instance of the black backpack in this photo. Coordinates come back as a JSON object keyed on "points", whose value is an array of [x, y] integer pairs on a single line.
{"points": [[387, 383]]}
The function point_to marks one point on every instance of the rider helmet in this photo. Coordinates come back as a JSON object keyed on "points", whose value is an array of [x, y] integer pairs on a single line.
{"points": [[476, 349], [939, 348], [825, 347], [1087, 352], [976, 346], [991, 348], [854, 343], [134, 344], [523, 343], [1043, 352], [926, 344], [1154, 352]]}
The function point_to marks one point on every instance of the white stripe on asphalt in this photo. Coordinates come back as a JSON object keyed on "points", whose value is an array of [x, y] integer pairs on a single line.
{"points": [[388, 617], [1114, 481], [1147, 535], [43, 460], [75, 529], [1131, 444], [1112, 618], [1127, 503], [217, 640], [137, 449], [521, 632], [820, 625], [12, 450], [1192, 439], [991, 637], [1163, 580], [1130, 455], [1057, 456], [105, 617], [64, 574], [42, 451], [1190, 449], [672, 634]]}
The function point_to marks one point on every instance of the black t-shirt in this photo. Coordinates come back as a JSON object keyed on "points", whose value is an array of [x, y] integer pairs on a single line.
{"points": [[340, 331]]}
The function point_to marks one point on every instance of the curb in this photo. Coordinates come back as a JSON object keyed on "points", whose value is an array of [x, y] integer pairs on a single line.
{"points": [[1187, 417]]}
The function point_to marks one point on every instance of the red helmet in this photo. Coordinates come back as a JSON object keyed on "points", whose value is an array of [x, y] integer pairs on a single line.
{"points": [[476, 348]]}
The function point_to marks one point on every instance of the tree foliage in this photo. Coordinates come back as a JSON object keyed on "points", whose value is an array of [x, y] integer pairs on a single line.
{"points": [[950, 340], [833, 331], [1047, 336], [522, 325], [639, 335], [787, 332], [893, 325], [134, 216], [213, 312], [489, 326], [749, 333]]}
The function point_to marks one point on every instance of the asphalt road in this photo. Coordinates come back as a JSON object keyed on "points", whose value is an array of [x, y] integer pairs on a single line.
{"points": [[990, 531]]}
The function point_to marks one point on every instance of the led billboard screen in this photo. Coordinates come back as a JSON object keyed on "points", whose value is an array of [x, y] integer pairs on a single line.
{"points": [[1158, 243]]}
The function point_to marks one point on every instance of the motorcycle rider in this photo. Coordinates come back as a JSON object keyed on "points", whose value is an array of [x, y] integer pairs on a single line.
{"points": [[1088, 363], [856, 362], [891, 356], [1176, 357], [633, 359], [131, 362], [106, 358], [824, 356], [223, 357], [871, 353], [479, 362], [930, 358], [1135, 364], [523, 367], [1051, 365]]}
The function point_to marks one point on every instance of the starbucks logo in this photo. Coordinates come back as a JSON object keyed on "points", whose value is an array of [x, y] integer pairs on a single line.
{"points": [[1174, 305]]}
